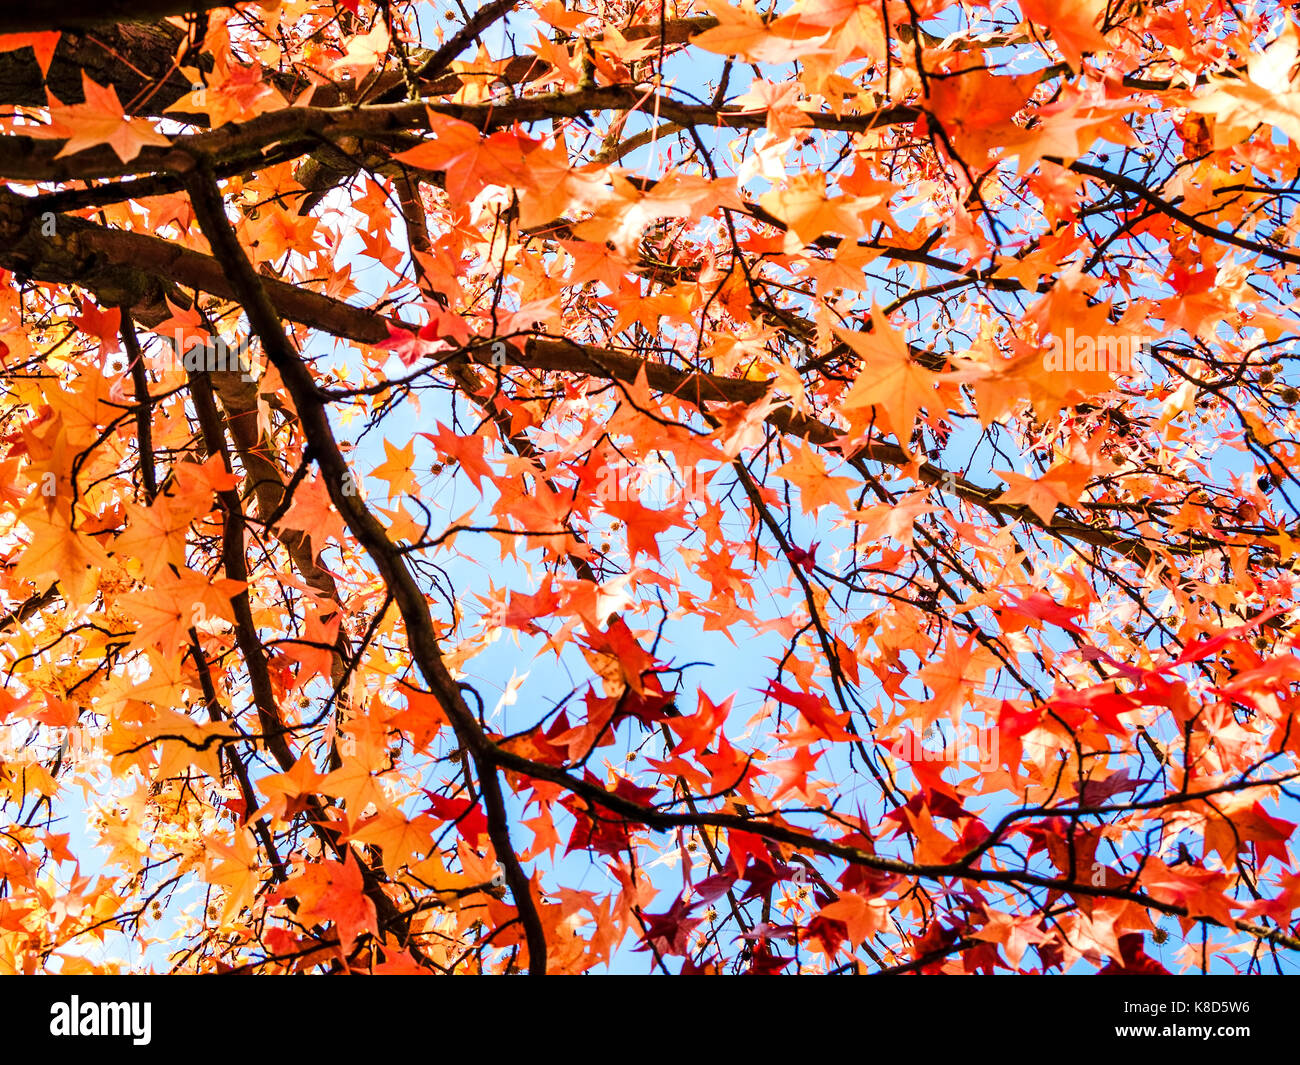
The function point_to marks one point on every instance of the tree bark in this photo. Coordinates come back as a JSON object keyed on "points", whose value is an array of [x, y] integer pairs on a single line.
{"points": [[34, 17]]}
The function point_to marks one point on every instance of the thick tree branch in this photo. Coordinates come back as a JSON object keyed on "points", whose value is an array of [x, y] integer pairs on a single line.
{"points": [[370, 533], [29, 18], [129, 268], [300, 130]]}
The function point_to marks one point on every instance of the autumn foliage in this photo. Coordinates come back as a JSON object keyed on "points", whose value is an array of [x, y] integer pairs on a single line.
{"points": [[649, 486]]}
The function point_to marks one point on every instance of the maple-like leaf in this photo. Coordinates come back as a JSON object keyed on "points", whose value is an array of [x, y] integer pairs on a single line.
{"points": [[862, 917], [313, 512], [335, 892], [1042, 495], [1015, 934], [471, 160], [803, 205], [742, 31], [365, 52], [42, 44], [98, 120], [891, 385], [398, 468], [58, 551], [817, 488], [1073, 25], [1268, 95], [669, 932]]}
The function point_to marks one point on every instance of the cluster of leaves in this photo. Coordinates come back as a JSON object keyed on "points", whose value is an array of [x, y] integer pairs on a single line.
{"points": [[697, 365]]}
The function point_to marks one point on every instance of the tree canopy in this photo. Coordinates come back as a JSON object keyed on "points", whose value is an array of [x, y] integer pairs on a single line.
{"points": [[656, 486]]}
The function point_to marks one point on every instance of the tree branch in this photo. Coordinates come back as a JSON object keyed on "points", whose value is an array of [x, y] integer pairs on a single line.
{"points": [[67, 14]]}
